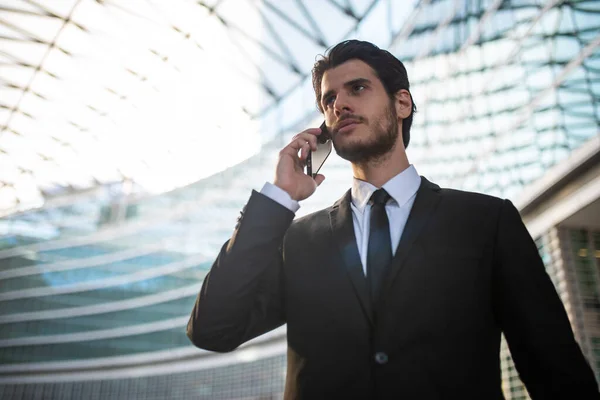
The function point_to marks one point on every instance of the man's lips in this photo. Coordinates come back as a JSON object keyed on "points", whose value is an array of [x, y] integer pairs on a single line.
{"points": [[348, 124]]}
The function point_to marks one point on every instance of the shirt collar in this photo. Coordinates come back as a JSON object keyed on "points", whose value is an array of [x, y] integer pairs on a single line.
{"points": [[401, 188]]}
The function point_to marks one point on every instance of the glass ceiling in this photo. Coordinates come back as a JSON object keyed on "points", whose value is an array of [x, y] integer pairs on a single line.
{"points": [[158, 94], [105, 100]]}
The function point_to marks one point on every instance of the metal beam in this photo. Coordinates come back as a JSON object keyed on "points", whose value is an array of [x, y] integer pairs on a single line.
{"points": [[293, 23], [52, 44], [312, 22]]}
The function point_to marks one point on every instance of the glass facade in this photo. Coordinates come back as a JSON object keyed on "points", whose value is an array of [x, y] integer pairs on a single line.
{"points": [[504, 89], [582, 265], [253, 380], [572, 259]]}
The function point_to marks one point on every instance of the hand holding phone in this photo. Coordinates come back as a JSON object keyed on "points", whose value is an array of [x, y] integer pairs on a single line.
{"points": [[292, 174], [316, 159]]}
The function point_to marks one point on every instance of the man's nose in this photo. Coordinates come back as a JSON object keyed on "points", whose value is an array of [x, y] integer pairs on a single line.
{"points": [[341, 105]]}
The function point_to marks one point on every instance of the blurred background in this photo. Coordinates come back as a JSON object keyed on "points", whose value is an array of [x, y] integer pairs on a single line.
{"points": [[132, 133]]}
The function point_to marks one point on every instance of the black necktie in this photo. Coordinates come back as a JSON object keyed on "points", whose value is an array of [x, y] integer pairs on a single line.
{"points": [[379, 252]]}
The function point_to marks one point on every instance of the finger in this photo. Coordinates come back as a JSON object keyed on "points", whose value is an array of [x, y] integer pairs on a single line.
{"points": [[295, 147], [319, 179], [305, 151], [307, 137]]}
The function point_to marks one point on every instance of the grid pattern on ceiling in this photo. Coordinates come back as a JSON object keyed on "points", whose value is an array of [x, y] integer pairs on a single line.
{"points": [[84, 82], [505, 91]]}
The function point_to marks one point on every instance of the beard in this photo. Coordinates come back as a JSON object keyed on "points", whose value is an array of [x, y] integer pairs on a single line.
{"points": [[383, 138]]}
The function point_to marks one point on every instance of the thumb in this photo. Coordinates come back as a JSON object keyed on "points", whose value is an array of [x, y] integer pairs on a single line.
{"points": [[319, 179]]}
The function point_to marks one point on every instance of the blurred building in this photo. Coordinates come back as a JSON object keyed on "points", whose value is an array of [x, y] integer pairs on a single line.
{"points": [[125, 159]]}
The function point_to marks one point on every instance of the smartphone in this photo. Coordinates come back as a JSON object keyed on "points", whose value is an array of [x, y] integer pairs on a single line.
{"points": [[316, 159]]}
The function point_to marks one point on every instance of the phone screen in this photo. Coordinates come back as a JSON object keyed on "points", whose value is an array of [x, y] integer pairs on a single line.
{"points": [[317, 158]]}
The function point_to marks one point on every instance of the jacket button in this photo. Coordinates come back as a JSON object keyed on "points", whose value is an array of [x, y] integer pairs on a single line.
{"points": [[381, 358]]}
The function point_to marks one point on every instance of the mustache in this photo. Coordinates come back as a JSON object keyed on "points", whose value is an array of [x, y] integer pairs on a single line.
{"points": [[352, 117]]}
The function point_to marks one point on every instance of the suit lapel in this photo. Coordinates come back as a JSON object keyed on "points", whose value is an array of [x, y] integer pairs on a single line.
{"points": [[423, 209], [342, 228]]}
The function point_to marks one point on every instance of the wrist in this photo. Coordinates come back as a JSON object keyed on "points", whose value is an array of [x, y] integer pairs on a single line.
{"points": [[286, 189], [280, 196]]}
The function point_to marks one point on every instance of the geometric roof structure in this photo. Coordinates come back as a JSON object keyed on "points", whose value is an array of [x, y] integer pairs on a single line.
{"points": [[156, 94]]}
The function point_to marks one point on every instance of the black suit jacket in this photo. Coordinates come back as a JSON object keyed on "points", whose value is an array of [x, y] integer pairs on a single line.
{"points": [[466, 269]]}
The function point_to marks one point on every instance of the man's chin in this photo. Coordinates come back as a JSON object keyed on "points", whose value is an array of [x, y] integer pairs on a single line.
{"points": [[351, 152], [357, 151]]}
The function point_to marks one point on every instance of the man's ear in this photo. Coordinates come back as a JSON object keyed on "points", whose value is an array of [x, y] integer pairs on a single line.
{"points": [[403, 103]]}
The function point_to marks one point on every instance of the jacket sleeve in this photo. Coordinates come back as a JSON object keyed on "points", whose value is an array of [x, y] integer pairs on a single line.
{"points": [[533, 318], [241, 297]]}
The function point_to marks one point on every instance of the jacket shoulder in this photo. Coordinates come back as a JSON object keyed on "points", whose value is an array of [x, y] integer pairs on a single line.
{"points": [[471, 206], [320, 218], [468, 198]]}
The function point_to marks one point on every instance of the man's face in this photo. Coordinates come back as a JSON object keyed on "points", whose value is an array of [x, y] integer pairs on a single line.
{"points": [[360, 115]]}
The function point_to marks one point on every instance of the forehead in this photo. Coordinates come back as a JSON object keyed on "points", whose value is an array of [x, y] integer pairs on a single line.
{"points": [[335, 78]]}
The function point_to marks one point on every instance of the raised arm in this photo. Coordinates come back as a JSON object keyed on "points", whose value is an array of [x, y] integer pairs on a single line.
{"points": [[242, 296]]}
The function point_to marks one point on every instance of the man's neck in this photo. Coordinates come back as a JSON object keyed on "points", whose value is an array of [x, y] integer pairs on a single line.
{"points": [[378, 172]]}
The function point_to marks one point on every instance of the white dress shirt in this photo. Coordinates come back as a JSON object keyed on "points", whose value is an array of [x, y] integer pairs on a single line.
{"points": [[403, 190]]}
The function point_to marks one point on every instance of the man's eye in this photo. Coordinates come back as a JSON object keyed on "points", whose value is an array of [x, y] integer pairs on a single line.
{"points": [[329, 100], [358, 88]]}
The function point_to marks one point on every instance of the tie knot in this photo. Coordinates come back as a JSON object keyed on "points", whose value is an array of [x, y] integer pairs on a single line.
{"points": [[380, 196]]}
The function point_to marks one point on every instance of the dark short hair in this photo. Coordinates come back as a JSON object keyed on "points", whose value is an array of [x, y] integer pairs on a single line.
{"points": [[388, 69]]}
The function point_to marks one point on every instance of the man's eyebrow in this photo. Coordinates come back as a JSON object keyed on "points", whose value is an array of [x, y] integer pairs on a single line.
{"points": [[357, 81]]}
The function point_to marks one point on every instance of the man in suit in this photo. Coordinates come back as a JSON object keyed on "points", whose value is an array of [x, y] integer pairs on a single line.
{"points": [[401, 289]]}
